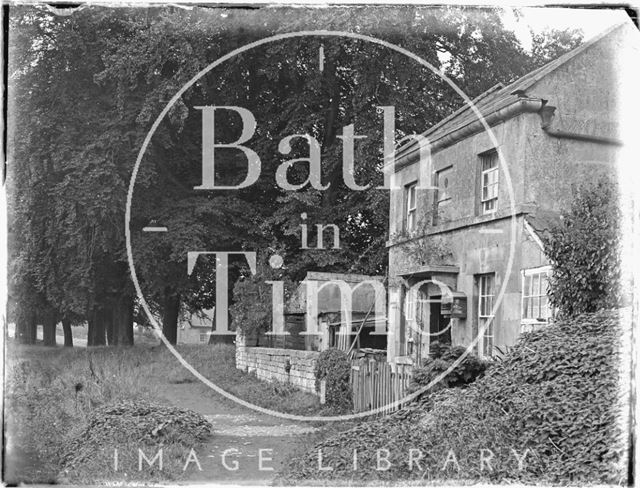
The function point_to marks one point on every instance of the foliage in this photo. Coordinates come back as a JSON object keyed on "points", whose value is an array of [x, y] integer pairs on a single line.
{"points": [[441, 358], [585, 251], [333, 367], [252, 310], [558, 394], [422, 248], [85, 89], [143, 423]]}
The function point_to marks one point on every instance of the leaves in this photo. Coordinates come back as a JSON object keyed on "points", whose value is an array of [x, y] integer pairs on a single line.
{"points": [[585, 252], [334, 367], [556, 393]]}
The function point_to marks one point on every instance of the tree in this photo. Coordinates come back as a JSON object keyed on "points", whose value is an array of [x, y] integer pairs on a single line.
{"points": [[252, 310], [585, 252], [86, 88]]}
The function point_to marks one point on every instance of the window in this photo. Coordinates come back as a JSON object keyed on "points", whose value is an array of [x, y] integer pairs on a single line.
{"points": [[489, 182], [443, 182], [410, 213], [204, 337], [535, 303], [486, 319]]}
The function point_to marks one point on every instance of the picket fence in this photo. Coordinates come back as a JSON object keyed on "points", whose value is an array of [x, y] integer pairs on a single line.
{"points": [[375, 384]]}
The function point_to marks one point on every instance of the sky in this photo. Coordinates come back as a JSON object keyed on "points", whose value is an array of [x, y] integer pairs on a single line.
{"points": [[591, 21]]}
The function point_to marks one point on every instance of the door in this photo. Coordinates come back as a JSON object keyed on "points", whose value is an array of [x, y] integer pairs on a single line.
{"points": [[439, 325]]}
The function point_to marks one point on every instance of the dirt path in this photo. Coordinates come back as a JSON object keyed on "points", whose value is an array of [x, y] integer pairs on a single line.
{"points": [[245, 435]]}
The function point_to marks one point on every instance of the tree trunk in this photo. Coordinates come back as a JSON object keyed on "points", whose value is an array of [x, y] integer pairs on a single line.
{"points": [[96, 332], [49, 331], [26, 329], [123, 321], [109, 325], [170, 316], [68, 336]]}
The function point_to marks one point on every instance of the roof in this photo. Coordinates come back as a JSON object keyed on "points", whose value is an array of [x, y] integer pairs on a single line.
{"points": [[499, 96], [543, 221], [329, 298]]}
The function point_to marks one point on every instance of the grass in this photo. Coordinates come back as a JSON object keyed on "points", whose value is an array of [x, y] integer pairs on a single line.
{"points": [[213, 362], [51, 392]]}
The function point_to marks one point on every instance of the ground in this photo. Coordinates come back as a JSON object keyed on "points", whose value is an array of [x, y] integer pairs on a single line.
{"points": [[151, 372], [237, 427]]}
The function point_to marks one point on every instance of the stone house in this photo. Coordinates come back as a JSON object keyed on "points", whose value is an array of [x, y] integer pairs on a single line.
{"points": [[195, 328], [466, 259]]}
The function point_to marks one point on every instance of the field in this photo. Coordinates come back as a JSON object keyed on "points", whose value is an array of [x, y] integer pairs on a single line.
{"points": [[52, 392]]}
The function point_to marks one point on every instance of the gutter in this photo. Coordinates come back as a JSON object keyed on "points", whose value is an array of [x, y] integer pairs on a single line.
{"points": [[546, 114], [520, 105]]}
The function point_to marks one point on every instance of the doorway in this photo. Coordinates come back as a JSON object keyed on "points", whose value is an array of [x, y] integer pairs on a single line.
{"points": [[439, 325]]}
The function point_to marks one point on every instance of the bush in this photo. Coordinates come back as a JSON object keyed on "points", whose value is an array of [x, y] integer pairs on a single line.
{"points": [[584, 251], [441, 359], [141, 424], [556, 394], [334, 367]]}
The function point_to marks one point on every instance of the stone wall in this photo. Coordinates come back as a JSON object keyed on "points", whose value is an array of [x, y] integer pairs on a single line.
{"points": [[270, 364]]}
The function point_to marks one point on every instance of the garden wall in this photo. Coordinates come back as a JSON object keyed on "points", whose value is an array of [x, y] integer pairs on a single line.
{"points": [[270, 364]]}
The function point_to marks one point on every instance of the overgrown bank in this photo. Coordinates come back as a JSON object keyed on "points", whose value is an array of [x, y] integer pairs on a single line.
{"points": [[69, 410], [549, 412]]}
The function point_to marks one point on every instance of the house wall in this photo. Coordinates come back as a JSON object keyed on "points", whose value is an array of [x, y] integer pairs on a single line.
{"points": [[269, 364], [540, 172], [478, 253], [193, 335]]}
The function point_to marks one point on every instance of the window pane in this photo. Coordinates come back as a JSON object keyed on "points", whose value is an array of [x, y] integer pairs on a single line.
{"points": [[527, 286], [536, 307], [489, 205], [536, 285]]}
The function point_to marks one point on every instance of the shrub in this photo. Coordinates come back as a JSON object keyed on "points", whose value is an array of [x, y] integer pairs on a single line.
{"points": [[251, 311], [556, 393], [141, 423], [584, 251], [441, 359], [334, 367]]}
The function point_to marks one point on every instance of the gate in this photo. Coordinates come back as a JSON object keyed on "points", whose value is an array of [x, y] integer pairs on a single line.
{"points": [[374, 384]]}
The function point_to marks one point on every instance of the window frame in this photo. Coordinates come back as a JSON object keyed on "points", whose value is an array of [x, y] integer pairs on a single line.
{"points": [[410, 212], [533, 272], [494, 169], [489, 332]]}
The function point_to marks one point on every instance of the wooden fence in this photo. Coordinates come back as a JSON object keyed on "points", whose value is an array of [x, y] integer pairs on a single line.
{"points": [[374, 384]]}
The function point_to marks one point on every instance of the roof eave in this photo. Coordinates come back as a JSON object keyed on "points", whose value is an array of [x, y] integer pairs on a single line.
{"points": [[471, 127]]}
